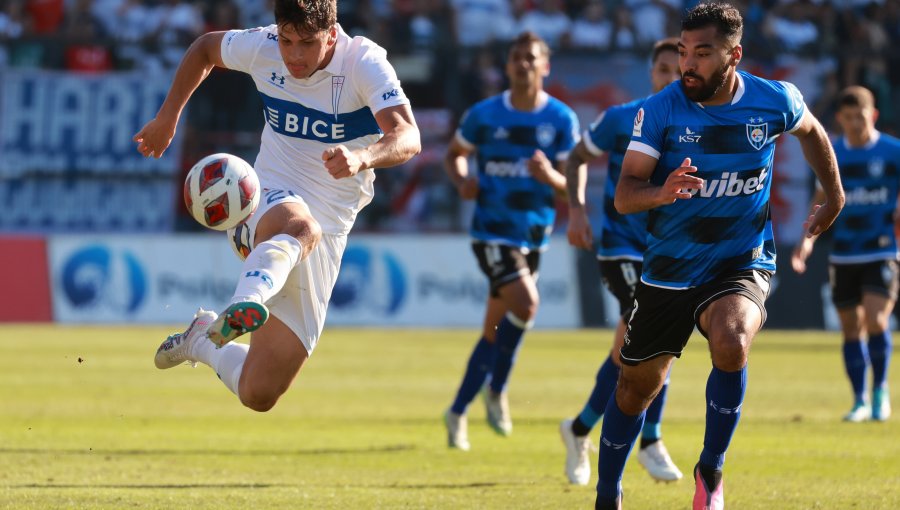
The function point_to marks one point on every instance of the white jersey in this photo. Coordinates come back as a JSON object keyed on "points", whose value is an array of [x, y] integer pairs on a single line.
{"points": [[335, 106]]}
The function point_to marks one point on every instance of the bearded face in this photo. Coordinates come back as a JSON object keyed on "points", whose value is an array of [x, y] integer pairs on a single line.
{"points": [[699, 88]]}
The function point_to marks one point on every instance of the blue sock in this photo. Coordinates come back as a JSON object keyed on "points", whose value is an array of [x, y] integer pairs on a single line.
{"points": [[856, 360], [880, 347], [724, 397], [604, 387], [617, 437], [479, 368], [509, 336], [654, 414]]}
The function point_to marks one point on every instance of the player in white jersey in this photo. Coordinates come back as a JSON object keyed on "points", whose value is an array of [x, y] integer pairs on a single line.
{"points": [[334, 111]]}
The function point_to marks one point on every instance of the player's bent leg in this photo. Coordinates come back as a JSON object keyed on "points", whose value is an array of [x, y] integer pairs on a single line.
{"points": [[855, 353], [878, 308], [622, 422], [275, 357], [520, 298]]}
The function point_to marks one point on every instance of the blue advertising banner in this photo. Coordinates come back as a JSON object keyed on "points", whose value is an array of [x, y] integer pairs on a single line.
{"points": [[67, 159]]}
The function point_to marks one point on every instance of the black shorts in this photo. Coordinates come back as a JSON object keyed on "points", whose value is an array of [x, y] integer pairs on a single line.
{"points": [[502, 263], [621, 276], [663, 319], [850, 281]]}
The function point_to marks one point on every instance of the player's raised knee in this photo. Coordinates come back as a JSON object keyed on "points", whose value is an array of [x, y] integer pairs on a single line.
{"points": [[260, 402]]}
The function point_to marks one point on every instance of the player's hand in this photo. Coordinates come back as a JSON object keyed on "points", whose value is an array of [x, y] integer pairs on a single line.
{"points": [[540, 167], [679, 184], [468, 188], [154, 138], [800, 254], [341, 162], [821, 218], [579, 230]]}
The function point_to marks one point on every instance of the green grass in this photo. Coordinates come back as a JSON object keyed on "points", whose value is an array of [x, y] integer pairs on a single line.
{"points": [[361, 428]]}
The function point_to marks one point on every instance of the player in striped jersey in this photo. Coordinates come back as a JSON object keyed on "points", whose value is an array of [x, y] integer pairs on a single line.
{"points": [[334, 111], [521, 139], [700, 161], [620, 252], [863, 260]]}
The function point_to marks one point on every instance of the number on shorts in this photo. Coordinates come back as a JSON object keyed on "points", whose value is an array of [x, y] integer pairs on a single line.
{"points": [[494, 257], [629, 274]]}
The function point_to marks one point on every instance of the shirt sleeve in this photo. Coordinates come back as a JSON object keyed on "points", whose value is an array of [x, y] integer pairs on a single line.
{"points": [[599, 135], [795, 107], [468, 129], [569, 136], [648, 131], [239, 47], [377, 82]]}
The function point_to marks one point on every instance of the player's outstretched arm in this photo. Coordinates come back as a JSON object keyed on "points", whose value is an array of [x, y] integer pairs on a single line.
{"points": [[401, 141], [820, 156], [456, 164], [579, 230], [635, 192], [154, 138]]}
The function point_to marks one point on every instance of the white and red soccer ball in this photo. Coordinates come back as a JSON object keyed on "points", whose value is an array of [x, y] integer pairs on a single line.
{"points": [[221, 191]]}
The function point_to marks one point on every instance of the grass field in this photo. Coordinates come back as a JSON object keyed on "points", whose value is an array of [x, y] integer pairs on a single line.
{"points": [[86, 421]]}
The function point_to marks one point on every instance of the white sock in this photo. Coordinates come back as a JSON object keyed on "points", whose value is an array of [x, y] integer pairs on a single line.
{"points": [[266, 269], [228, 362]]}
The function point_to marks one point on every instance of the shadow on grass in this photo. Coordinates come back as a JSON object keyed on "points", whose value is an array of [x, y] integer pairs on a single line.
{"points": [[148, 486], [248, 453]]}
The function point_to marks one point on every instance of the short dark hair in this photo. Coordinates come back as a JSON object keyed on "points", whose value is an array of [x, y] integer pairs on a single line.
{"points": [[667, 44], [856, 96], [529, 37], [725, 17], [309, 16]]}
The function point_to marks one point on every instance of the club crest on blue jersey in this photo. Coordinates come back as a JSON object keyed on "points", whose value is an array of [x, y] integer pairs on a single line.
{"points": [[545, 134], [757, 132], [876, 167]]}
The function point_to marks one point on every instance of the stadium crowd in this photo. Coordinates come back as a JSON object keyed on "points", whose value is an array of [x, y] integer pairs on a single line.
{"points": [[449, 54]]}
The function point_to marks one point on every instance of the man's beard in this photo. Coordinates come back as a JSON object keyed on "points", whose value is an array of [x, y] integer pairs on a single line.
{"points": [[707, 89]]}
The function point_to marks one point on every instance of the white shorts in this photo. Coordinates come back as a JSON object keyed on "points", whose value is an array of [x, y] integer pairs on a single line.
{"points": [[302, 302]]}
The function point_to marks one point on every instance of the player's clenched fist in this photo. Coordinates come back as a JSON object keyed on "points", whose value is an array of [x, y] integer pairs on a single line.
{"points": [[341, 162], [679, 184], [154, 138]]}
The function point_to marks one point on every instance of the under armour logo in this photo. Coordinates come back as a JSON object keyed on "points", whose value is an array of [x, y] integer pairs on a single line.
{"points": [[277, 79]]}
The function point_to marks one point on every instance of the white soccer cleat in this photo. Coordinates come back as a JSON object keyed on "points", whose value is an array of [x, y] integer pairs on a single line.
{"points": [[238, 319], [578, 461], [457, 430], [861, 412], [881, 404], [497, 407], [656, 460], [177, 348]]}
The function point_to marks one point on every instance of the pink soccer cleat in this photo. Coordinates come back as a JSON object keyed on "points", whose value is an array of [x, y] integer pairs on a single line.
{"points": [[704, 498]]}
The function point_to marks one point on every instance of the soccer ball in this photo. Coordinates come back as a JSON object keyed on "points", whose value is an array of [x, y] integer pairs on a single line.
{"points": [[221, 191]]}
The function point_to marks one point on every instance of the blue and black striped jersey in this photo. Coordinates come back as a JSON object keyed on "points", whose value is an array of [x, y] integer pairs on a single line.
{"points": [[621, 235], [726, 226], [514, 208], [864, 231]]}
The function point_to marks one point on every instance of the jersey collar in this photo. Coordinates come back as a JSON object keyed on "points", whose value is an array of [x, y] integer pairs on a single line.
{"points": [[871, 143], [542, 100]]}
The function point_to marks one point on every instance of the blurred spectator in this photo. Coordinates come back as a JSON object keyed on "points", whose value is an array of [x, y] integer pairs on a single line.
{"points": [[592, 29], [85, 33], [624, 35], [46, 15], [548, 21], [224, 16], [480, 22], [180, 23], [657, 19], [792, 27]]}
